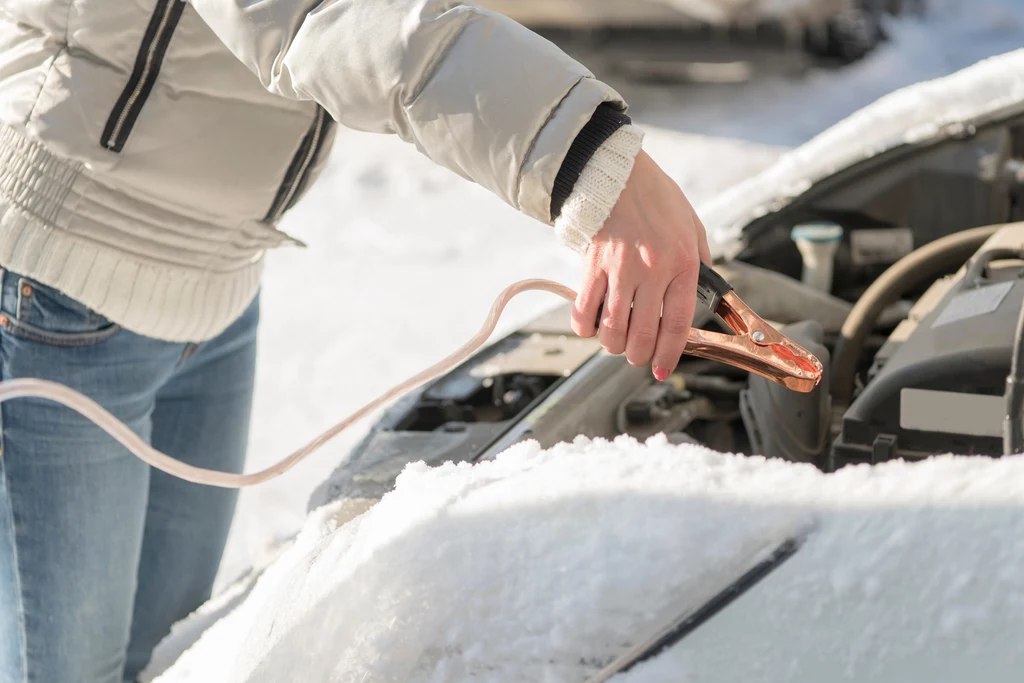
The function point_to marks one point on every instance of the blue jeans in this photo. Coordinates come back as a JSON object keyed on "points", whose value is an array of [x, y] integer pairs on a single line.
{"points": [[99, 553]]}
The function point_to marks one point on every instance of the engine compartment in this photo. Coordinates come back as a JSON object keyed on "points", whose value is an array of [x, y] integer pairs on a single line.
{"points": [[928, 376], [937, 384]]}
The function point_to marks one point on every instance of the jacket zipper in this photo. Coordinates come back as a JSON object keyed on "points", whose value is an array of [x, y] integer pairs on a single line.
{"points": [[147, 67], [298, 169]]}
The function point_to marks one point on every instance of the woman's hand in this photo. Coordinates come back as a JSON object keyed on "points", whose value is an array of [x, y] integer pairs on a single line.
{"points": [[643, 266]]}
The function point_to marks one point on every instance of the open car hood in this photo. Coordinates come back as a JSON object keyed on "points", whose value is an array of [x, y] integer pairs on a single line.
{"points": [[911, 120]]}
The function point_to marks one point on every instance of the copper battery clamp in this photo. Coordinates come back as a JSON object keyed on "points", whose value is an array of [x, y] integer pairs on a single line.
{"points": [[755, 346]]}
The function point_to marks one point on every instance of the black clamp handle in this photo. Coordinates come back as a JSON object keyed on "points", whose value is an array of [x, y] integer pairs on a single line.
{"points": [[711, 287]]}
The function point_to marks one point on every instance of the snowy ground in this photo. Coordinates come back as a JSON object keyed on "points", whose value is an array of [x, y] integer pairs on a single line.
{"points": [[405, 258]]}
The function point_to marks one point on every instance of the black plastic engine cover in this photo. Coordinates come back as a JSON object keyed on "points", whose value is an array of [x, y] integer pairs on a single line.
{"points": [[940, 389]]}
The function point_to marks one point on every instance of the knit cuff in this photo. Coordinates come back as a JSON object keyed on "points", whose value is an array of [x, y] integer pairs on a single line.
{"points": [[602, 125], [602, 181]]}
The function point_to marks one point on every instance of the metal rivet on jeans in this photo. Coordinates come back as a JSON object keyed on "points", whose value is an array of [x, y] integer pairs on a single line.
{"points": [[26, 290], [4, 321]]}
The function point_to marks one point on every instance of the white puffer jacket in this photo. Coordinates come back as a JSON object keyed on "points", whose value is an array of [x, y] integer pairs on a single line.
{"points": [[148, 147]]}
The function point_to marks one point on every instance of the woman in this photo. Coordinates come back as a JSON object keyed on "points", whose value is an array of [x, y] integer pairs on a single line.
{"points": [[147, 151]]}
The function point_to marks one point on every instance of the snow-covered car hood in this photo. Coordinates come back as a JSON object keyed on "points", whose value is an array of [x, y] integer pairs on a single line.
{"points": [[544, 565]]}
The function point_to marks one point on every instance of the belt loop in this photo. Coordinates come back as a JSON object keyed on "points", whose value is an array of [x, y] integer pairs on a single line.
{"points": [[24, 296]]}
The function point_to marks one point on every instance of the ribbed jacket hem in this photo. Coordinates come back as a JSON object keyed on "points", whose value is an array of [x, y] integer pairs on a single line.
{"points": [[155, 300], [154, 271], [161, 301]]}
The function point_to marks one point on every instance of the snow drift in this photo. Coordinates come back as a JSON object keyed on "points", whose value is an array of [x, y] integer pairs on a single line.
{"points": [[544, 565]]}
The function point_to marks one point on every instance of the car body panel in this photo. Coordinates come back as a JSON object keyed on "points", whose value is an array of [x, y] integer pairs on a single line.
{"points": [[926, 588]]}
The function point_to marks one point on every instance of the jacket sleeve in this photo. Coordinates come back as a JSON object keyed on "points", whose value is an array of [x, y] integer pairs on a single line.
{"points": [[473, 90]]}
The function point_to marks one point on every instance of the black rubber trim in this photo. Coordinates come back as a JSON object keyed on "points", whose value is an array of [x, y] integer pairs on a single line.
{"points": [[160, 31], [711, 287], [605, 121]]}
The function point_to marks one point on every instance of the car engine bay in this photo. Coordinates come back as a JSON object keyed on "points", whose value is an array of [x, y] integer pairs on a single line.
{"points": [[902, 273]]}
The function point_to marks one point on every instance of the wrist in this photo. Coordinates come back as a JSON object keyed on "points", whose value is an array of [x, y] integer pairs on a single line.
{"points": [[598, 188]]}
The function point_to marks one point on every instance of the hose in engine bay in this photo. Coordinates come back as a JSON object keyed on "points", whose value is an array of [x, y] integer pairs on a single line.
{"points": [[913, 270]]}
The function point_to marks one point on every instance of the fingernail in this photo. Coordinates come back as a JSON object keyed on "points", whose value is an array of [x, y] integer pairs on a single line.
{"points": [[661, 374]]}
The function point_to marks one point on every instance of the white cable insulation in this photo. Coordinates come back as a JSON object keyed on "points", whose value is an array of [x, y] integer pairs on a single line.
{"points": [[68, 397]]}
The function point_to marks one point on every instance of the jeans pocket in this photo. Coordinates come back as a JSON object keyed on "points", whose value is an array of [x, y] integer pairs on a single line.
{"points": [[42, 314]]}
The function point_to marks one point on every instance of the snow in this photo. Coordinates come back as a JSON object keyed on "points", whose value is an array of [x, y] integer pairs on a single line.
{"points": [[914, 576], [404, 260], [544, 565]]}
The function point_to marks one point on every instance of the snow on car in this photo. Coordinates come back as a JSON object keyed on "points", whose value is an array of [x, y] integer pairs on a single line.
{"points": [[546, 565]]}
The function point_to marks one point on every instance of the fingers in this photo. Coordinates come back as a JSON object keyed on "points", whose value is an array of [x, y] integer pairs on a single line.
{"points": [[676, 319], [615, 321], [643, 323], [644, 265], [589, 301], [702, 240]]}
